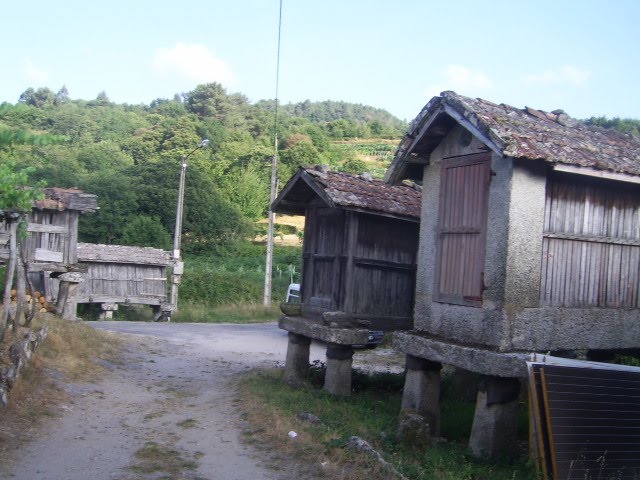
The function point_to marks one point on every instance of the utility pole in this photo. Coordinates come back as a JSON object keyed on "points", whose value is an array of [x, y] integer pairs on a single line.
{"points": [[178, 264], [270, 229]]}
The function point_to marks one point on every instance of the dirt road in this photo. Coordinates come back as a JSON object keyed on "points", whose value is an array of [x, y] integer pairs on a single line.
{"points": [[167, 412]]}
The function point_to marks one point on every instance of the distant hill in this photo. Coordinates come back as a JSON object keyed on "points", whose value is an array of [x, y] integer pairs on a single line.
{"points": [[329, 111]]}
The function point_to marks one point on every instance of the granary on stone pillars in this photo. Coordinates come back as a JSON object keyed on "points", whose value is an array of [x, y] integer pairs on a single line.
{"points": [[119, 274], [50, 248], [529, 242], [359, 261]]}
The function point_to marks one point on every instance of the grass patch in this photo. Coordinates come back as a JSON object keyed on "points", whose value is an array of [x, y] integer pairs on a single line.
{"points": [[71, 352], [189, 312], [154, 457], [234, 274], [372, 414], [188, 423]]}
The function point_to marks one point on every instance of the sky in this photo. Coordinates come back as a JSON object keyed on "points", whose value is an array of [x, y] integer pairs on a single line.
{"points": [[582, 56]]}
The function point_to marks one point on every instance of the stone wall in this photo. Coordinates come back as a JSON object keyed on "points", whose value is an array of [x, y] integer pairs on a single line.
{"points": [[20, 353]]}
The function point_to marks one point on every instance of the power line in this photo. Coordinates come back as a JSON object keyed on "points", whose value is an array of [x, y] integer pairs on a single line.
{"points": [[274, 169]]}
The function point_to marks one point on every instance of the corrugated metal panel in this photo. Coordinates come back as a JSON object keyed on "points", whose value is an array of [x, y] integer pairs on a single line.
{"points": [[464, 194], [587, 420], [591, 245]]}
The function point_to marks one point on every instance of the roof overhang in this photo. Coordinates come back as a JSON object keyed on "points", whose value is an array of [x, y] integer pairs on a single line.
{"points": [[428, 130], [592, 172], [300, 191]]}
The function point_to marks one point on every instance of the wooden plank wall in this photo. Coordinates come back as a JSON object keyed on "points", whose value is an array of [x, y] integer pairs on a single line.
{"points": [[384, 266], [4, 242], [49, 237], [361, 264], [591, 245], [322, 267], [119, 283]]}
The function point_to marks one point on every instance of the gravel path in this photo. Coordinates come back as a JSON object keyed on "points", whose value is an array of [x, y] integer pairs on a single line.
{"points": [[172, 402]]}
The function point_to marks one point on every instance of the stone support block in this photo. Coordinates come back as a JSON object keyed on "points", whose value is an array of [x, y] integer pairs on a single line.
{"points": [[319, 331], [473, 358], [296, 368], [422, 390], [494, 430], [337, 379]]}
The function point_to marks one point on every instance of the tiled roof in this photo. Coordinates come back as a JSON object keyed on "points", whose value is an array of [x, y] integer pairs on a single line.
{"points": [[356, 192], [533, 134], [61, 199]]}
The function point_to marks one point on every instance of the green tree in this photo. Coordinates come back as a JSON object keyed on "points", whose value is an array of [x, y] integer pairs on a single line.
{"points": [[42, 97], [118, 202], [248, 189], [146, 231], [15, 195]]}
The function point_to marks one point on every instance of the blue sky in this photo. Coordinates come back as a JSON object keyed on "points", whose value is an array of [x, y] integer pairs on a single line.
{"points": [[578, 55]]}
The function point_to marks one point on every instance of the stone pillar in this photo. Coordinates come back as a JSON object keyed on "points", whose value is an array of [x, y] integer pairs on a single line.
{"points": [[107, 310], [67, 303], [296, 367], [464, 385], [494, 431], [337, 380], [422, 390]]}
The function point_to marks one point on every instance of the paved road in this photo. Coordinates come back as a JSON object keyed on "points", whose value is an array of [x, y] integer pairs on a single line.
{"points": [[250, 344]]}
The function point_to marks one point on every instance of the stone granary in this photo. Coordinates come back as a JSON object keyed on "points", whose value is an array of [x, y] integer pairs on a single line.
{"points": [[50, 248], [529, 242], [358, 273]]}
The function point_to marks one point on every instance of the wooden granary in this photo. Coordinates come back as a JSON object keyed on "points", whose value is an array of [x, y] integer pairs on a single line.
{"points": [[358, 274], [360, 245]]}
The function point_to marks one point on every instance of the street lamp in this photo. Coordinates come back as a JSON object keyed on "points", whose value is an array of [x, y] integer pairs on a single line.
{"points": [[178, 266]]}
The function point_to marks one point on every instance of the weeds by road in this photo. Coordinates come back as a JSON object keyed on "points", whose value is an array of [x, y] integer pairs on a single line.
{"points": [[370, 413]]}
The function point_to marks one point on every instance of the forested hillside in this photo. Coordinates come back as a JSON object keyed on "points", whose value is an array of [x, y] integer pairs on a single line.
{"points": [[129, 155]]}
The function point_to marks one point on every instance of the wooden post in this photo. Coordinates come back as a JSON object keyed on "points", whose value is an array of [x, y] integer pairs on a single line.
{"points": [[12, 223]]}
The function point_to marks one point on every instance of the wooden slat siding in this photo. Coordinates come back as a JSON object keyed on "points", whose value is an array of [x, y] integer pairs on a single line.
{"points": [[39, 228], [350, 241], [324, 257], [306, 275], [72, 243], [464, 195], [4, 242], [49, 231], [124, 281], [591, 245], [382, 291], [384, 267]]}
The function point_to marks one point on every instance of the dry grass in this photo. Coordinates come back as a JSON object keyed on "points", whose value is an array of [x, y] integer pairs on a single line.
{"points": [[314, 445], [71, 352], [165, 459]]}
